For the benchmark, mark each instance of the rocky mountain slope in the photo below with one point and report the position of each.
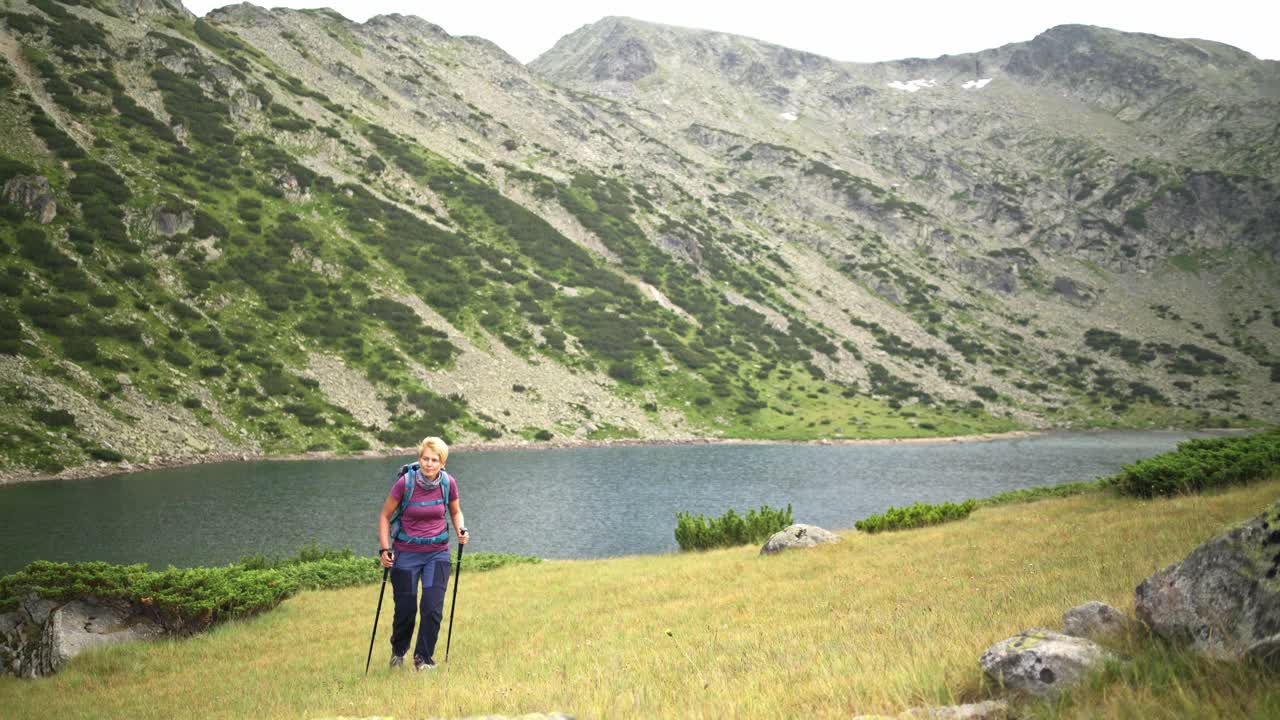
(272, 231)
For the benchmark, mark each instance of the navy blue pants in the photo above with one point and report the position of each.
(432, 570)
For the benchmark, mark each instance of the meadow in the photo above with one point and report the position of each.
(875, 624)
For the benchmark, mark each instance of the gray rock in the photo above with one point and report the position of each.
(168, 222)
(41, 636)
(529, 716)
(986, 710)
(1223, 598)
(797, 536)
(79, 626)
(32, 194)
(1093, 619)
(157, 8)
(1041, 662)
(20, 633)
(38, 608)
(1071, 290)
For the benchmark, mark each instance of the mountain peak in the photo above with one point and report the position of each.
(618, 51)
(154, 8)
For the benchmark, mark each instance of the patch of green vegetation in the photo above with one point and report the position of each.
(697, 532)
(187, 600)
(1200, 464)
(916, 515)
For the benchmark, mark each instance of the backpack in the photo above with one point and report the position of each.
(411, 473)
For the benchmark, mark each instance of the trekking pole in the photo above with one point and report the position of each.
(381, 592)
(453, 605)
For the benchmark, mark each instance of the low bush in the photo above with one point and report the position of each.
(1202, 464)
(105, 454)
(916, 515)
(696, 532)
(182, 600)
(1039, 493)
(54, 418)
(187, 600)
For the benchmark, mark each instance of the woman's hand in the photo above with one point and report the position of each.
(387, 558)
(463, 536)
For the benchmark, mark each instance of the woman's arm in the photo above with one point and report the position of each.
(455, 511)
(384, 530)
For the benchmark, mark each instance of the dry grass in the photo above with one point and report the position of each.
(875, 624)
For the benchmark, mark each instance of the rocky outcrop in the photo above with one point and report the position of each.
(986, 710)
(41, 636)
(627, 61)
(33, 195)
(1093, 619)
(1041, 662)
(798, 536)
(1072, 290)
(528, 716)
(1223, 598)
(154, 8)
(167, 222)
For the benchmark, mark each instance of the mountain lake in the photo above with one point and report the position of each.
(552, 503)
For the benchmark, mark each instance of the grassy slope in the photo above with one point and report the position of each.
(874, 624)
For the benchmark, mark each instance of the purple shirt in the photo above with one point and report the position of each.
(423, 521)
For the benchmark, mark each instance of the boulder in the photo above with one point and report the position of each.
(168, 222)
(1223, 598)
(1093, 619)
(986, 710)
(32, 194)
(40, 636)
(529, 716)
(797, 536)
(1041, 662)
(20, 633)
(79, 626)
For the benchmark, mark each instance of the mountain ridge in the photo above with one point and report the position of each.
(280, 230)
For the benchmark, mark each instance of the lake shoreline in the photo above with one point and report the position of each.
(103, 469)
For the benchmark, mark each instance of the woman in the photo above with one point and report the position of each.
(420, 552)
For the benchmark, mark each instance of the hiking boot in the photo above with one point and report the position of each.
(397, 661)
(420, 664)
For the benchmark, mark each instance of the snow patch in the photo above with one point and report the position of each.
(913, 85)
(976, 84)
(666, 101)
(789, 116)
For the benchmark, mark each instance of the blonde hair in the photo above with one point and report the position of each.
(440, 447)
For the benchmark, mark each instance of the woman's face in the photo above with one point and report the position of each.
(429, 461)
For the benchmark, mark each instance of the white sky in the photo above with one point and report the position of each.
(842, 30)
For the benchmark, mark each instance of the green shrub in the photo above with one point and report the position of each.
(54, 418)
(190, 599)
(916, 515)
(80, 348)
(187, 103)
(105, 454)
(696, 532)
(1201, 464)
(182, 600)
(1039, 493)
(10, 333)
(625, 372)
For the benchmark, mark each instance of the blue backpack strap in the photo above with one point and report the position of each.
(411, 474)
(406, 473)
